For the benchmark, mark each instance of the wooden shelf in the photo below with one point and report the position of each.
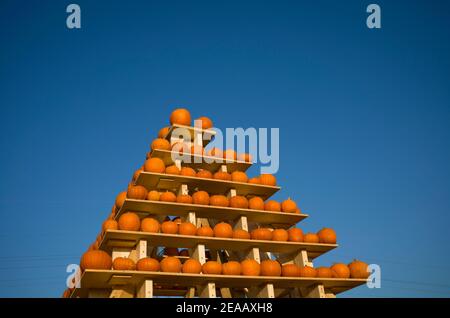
(114, 238)
(164, 181)
(192, 132)
(198, 162)
(145, 208)
(108, 278)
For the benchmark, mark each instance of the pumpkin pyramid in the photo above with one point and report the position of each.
(193, 224)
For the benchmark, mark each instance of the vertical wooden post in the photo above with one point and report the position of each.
(145, 289)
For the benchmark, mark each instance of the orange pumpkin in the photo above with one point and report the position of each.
(136, 174)
(188, 172)
(280, 235)
(311, 238)
(261, 234)
(124, 264)
(358, 269)
(215, 152)
(173, 170)
(324, 272)
(239, 176)
(169, 227)
(120, 199)
(256, 203)
(197, 150)
(246, 157)
(177, 220)
(148, 264)
(308, 271)
(223, 229)
(270, 268)
(254, 180)
(160, 143)
(137, 192)
(191, 266)
(298, 211)
(206, 122)
(327, 235)
(229, 155)
(295, 235)
(212, 268)
(110, 225)
(200, 197)
(170, 264)
(288, 206)
(205, 174)
(205, 231)
(163, 132)
(222, 175)
(171, 251)
(187, 228)
(241, 234)
(129, 222)
(340, 270)
(219, 200)
(150, 225)
(168, 197)
(250, 267)
(231, 268)
(180, 116)
(290, 270)
(273, 206)
(268, 179)
(184, 198)
(95, 259)
(153, 195)
(239, 202)
(67, 293)
(155, 165)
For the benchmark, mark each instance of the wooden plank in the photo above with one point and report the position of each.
(145, 289)
(274, 219)
(191, 132)
(162, 181)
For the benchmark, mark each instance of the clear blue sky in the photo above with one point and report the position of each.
(364, 118)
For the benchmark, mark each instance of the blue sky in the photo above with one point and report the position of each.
(363, 115)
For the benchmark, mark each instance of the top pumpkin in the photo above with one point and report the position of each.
(206, 122)
(180, 116)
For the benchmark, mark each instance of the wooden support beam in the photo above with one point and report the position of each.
(122, 291)
(207, 291)
(145, 289)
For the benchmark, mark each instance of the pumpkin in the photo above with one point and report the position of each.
(150, 225)
(222, 175)
(261, 234)
(137, 192)
(219, 200)
(295, 235)
(327, 235)
(177, 220)
(254, 180)
(324, 272)
(184, 252)
(168, 197)
(110, 225)
(273, 206)
(160, 143)
(223, 229)
(67, 293)
(231, 268)
(205, 231)
(239, 176)
(171, 251)
(206, 122)
(212, 268)
(215, 152)
(129, 222)
(95, 259)
(229, 155)
(124, 264)
(290, 270)
(280, 235)
(239, 202)
(136, 174)
(187, 228)
(268, 179)
(340, 270)
(256, 203)
(246, 157)
(358, 269)
(200, 197)
(155, 165)
(180, 116)
(120, 199)
(169, 227)
(298, 211)
(130, 185)
(148, 264)
(191, 266)
(250, 267)
(173, 169)
(163, 132)
(188, 172)
(153, 195)
(241, 234)
(308, 271)
(171, 264)
(270, 268)
(310, 238)
(197, 150)
(184, 198)
(288, 206)
(205, 174)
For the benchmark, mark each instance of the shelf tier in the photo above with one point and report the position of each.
(202, 162)
(193, 132)
(163, 181)
(115, 238)
(109, 278)
(145, 208)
